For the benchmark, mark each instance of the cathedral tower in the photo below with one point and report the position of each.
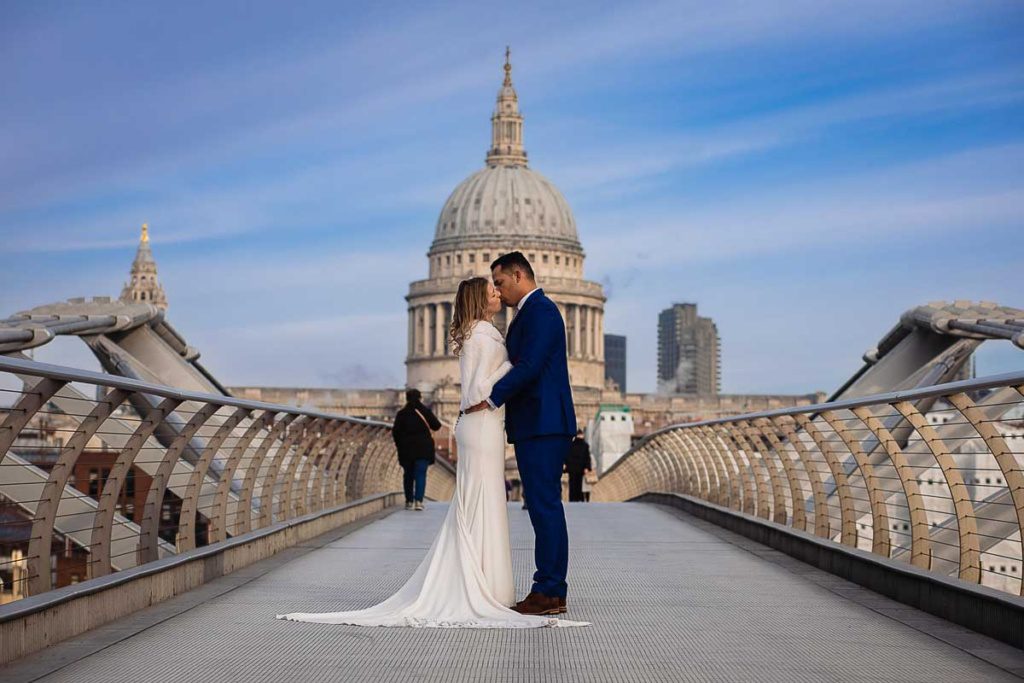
(143, 284)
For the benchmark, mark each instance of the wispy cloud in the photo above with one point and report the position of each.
(739, 154)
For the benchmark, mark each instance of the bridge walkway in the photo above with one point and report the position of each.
(671, 598)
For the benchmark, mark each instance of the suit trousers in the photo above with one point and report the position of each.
(540, 463)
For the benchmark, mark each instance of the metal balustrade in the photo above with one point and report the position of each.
(930, 476)
(101, 473)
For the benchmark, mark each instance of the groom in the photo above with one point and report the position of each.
(539, 420)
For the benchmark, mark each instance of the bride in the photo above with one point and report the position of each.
(465, 581)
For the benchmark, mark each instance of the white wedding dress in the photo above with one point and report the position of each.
(465, 581)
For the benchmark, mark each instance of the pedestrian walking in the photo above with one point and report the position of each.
(411, 432)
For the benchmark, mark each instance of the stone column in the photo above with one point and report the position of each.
(593, 332)
(562, 308)
(424, 331)
(447, 325)
(438, 329)
(412, 332)
(415, 331)
(590, 332)
(577, 343)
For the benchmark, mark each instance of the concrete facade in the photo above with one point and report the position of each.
(610, 435)
(615, 360)
(688, 353)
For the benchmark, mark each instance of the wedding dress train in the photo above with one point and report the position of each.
(465, 580)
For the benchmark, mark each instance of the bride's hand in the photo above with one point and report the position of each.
(479, 406)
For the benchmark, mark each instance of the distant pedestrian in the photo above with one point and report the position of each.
(588, 481)
(415, 445)
(577, 464)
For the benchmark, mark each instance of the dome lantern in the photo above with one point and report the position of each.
(507, 124)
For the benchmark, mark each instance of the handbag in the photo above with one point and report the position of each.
(433, 455)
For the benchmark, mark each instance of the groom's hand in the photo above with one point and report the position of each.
(482, 405)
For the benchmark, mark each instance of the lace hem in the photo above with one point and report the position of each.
(416, 622)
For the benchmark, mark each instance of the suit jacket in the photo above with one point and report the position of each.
(536, 392)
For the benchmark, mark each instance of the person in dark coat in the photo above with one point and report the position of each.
(415, 445)
(577, 464)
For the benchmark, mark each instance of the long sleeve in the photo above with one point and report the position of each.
(477, 376)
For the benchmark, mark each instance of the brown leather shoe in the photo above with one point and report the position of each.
(562, 609)
(537, 604)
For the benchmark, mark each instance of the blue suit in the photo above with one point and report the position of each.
(540, 421)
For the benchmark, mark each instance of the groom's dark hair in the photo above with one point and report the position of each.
(413, 395)
(514, 259)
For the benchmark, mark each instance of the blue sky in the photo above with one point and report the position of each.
(804, 171)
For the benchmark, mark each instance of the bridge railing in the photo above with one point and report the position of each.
(100, 473)
(931, 476)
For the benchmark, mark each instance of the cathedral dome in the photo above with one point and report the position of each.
(509, 202)
(506, 201)
(504, 206)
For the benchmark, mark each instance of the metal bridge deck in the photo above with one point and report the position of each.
(671, 598)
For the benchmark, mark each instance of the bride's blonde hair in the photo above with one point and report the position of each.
(470, 306)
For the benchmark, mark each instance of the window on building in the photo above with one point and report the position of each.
(94, 483)
(472, 258)
(544, 258)
(458, 259)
